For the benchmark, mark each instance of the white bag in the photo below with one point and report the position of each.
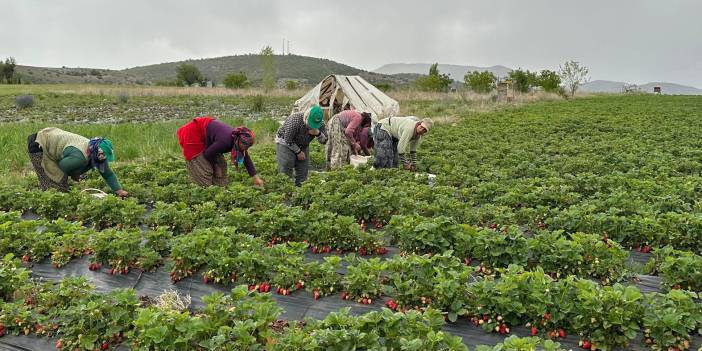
(95, 193)
(358, 160)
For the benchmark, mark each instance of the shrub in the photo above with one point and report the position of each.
(549, 80)
(236, 80)
(123, 97)
(24, 101)
(384, 87)
(257, 103)
(291, 85)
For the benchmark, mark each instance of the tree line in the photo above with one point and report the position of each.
(566, 81)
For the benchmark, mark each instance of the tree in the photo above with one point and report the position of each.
(268, 68)
(549, 80)
(435, 81)
(480, 82)
(188, 74)
(236, 80)
(573, 75)
(7, 71)
(523, 80)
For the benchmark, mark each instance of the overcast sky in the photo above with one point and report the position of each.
(624, 40)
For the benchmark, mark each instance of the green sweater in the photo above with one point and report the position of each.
(404, 130)
(74, 164)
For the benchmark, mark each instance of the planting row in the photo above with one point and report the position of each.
(602, 317)
(583, 255)
(379, 194)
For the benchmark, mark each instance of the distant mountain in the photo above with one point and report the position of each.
(607, 86)
(456, 72)
(308, 70)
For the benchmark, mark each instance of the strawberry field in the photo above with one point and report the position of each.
(554, 225)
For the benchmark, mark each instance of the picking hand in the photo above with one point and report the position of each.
(357, 149)
(301, 156)
(121, 193)
(258, 181)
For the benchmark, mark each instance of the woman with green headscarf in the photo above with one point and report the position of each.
(57, 154)
(293, 140)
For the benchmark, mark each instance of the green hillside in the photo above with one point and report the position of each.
(308, 70)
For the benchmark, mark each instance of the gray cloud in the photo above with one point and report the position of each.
(628, 40)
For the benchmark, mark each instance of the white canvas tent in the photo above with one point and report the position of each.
(353, 90)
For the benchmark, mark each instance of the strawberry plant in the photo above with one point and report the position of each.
(323, 279)
(52, 204)
(69, 245)
(110, 211)
(670, 320)
(165, 329)
(363, 282)
(241, 319)
(495, 305)
(416, 234)
(12, 277)
(607, 317)
(12, 198)
(122, 250)
(176, 217)
(500, 248)
(582, 255)
(411, 331)
(97, 321)
(678, 269)
(419, 282)
(189, 252)
(288, 270)
(514, 343)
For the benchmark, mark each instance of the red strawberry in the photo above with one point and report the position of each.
(104, 346)
(112, 271)
(503, 329)
(58, 344)
(586, 345)
(561, 333)
(125, 270)
(534, 331)
(25, 259)
(486, 317)
(316, 294)
(314, 250)
(206, 279)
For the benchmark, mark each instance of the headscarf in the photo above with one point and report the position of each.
(247, 138)
(315, 116)
(94, 146)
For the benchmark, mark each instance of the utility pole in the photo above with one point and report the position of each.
(283, 46)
